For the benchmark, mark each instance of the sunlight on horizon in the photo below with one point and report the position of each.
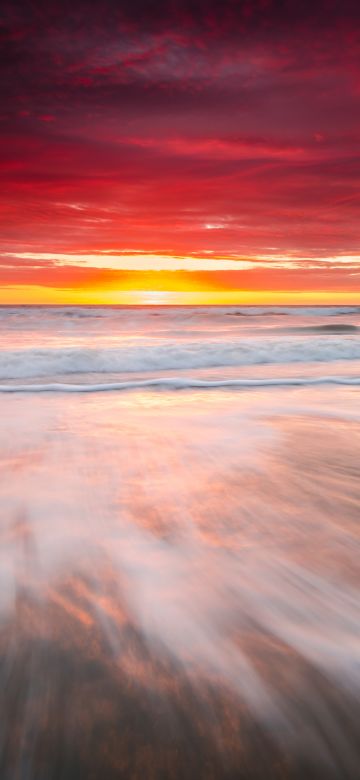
(42, 296)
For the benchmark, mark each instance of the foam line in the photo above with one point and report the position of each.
(177, 383)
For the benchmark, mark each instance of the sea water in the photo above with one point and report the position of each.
(179, 526)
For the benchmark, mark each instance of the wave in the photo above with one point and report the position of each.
(337, 327)
(178, 383)
(293, 311)
(130, 358)
(46, 313)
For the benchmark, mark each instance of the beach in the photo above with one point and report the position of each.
(179, 530)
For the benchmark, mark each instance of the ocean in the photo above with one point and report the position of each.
(179, 559)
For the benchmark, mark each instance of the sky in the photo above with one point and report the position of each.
(199, 151)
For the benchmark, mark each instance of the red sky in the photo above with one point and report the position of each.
(180, 152)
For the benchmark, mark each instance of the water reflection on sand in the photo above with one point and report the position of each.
(179, 585)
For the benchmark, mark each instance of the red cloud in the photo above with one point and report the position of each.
(150, 127)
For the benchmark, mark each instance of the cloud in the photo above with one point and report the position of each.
(131, 125)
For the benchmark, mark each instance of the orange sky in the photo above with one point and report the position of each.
(149, 278)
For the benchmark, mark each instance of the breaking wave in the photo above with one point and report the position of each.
(167, 356)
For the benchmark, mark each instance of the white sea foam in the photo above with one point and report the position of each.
(198, 540)
(167, 355)
(178, 383)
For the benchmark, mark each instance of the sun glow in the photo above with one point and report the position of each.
(135, 277)
(157, 298)
(38, 295)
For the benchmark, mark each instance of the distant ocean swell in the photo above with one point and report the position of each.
(31, 363)
(177, 312)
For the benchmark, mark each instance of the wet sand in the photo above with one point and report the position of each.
(180, 585)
